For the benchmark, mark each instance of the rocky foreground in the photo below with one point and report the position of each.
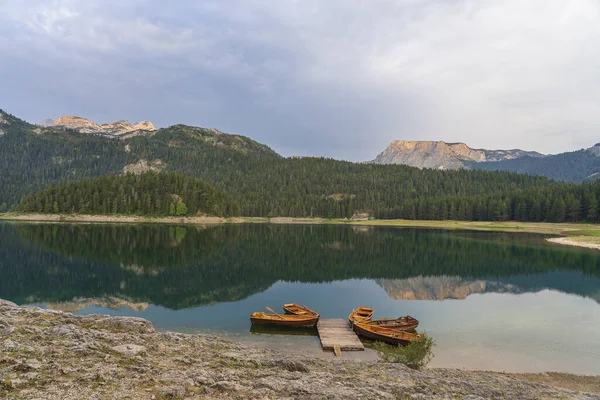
(46, 354)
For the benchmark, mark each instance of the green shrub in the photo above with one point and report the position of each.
(181, 208)
(415, 355)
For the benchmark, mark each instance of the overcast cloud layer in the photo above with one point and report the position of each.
(338, 78)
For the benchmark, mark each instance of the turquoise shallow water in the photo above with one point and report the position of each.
(492, 301)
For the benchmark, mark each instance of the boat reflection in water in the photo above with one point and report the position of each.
(211, 278)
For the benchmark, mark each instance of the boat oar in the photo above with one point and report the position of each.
(270, 309)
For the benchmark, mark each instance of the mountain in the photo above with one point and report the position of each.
(264, 184)
(10, 123)
(595, 149)
(84, 125)
(33, 157)
(575, 166)
(45, 123)
(442, 155)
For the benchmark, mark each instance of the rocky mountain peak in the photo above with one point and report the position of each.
(442, 155)
(77, 123)
(84, 125)
(144, 126)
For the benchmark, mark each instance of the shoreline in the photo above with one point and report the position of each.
(57, 355)
(572, 241)
(571, 234)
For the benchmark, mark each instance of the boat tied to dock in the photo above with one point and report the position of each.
(290, 320)
(361, 313)
(381, 334)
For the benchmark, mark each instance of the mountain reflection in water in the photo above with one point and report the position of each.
(179, 267)
(507, 298)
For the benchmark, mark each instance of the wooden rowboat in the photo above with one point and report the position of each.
(261, 318)
(362, 313)
(405, 323)
(391, 336)
(297, 309)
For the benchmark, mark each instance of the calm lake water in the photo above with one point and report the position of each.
(496, 301)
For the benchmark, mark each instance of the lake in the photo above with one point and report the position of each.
(495, 301)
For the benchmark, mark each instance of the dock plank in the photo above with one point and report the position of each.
(337, 333)
(337, 350)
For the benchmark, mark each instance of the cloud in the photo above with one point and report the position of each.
(338, 78)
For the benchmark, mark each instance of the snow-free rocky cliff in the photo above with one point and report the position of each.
(442, 155)
(84, 125)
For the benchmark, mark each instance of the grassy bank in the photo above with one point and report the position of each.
(576, 234)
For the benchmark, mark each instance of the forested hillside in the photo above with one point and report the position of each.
(33, 158)
(575, 166)
(149, 193)
(328, 188)
(261, 183)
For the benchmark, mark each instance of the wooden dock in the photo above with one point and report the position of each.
(336, 334)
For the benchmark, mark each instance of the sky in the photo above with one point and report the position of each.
(334, 78)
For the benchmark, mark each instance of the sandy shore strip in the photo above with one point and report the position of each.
(114, 219)
(159, 220)
(572, 241)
